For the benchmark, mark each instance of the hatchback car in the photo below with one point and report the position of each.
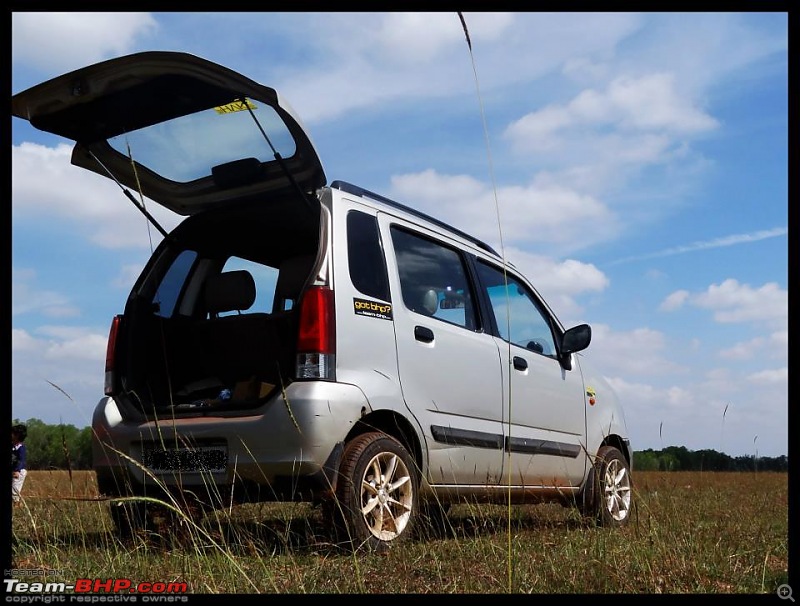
(294, 340)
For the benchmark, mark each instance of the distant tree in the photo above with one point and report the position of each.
(667, 461)
(645, 460)
(57, 446)
(711, 460)
(676, 458)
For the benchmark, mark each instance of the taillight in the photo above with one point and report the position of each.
(316, 335)
(108, 387)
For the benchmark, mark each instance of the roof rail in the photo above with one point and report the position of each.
(360, 191)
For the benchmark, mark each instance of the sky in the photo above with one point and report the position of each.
(634, 166)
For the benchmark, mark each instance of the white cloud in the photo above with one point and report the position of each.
(543, 214)
(724, 241)
(27, 298)
(127, 276)
(604, 137)
(746, 350)
(780, 339)
(21, 340)
(779, 376)
(582, 69)
(774, 346)
(734, 302)
(674, 301)
(46, 187)
(418, 37)
(707, 47)
(59, 42)
(693, 414)
(381, 57)
(638, 352)
(559, 282)
(86, 347)
(645, 104)
(68, 357)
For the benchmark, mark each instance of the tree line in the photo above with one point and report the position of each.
(57, 446)
(67, 447)
(679, 458)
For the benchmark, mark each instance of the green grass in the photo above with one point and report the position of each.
(691, 532)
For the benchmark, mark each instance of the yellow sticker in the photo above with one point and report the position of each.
(235, 106)
(590, 392)
(373, 309)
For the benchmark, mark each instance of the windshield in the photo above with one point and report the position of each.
(185, 148)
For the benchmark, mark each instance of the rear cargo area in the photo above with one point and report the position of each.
(213, 320)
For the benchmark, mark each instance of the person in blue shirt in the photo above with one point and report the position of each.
(18, 461)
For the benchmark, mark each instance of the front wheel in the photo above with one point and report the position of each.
(376, 494)
(611, 496)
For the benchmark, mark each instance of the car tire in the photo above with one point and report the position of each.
(130, 518)
(376, 493)
(145, 520)
(609, 498)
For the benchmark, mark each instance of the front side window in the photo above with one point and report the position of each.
(519, 318)
(433, 279)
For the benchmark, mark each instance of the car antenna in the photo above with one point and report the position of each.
(505, 273)
(277, 155)
(130, 197)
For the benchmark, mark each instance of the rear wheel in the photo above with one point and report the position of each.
(131, 518)
(376, 494)
(151, 520)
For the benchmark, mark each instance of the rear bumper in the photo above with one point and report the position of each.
(288, 449)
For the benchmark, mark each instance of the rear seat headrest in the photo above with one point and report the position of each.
(230, 291)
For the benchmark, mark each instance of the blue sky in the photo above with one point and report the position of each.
(637, 163)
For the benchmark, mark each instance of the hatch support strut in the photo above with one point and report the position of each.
(130, 197)
(278, 158)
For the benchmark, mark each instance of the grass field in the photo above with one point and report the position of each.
(691, 532)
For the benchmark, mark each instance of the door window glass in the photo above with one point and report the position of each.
(519, 318)
(365, 256)
(433, 280)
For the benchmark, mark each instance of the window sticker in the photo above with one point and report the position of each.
(373, 309)
(235, 106)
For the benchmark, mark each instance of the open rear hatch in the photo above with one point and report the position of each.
(185, 132)
(211, 324)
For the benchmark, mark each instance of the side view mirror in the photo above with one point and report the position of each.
(576, 339)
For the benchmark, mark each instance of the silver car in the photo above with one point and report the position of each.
(298, 340)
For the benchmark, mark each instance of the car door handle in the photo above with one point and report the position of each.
(520, 363)
(423, 334)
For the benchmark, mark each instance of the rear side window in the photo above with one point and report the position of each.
(265, 278)
(170, 288)
(433, 279)
(365, 256)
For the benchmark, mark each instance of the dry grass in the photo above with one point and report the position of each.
(691, 533)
